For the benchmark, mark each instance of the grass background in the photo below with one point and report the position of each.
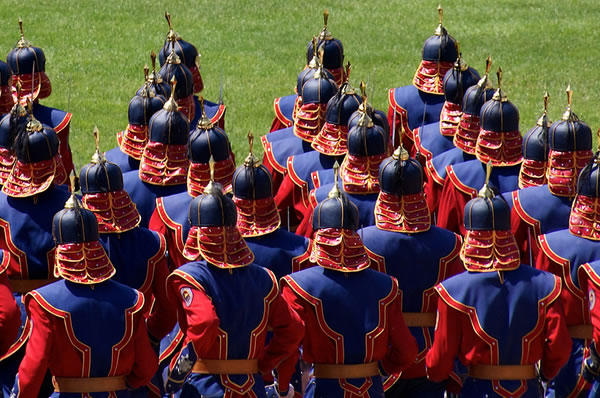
(96, 51)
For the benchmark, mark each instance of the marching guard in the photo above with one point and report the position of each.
(88, 330)
(225, 306)
(500, 317)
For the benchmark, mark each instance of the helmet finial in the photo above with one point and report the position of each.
(172, 35)
(569, 115)
(204, 122)
(335, 191)
(33, 124)
(543, 120)
(440, 29)
(325, 35)
(22, 43)
(72, 202)
(499, 94)
(171, 104)
(314, 62)
(211, 186)
(251, 160)
(486, 192)
(97, 157)
(173, 58)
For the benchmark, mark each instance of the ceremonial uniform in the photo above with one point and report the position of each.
(421, 103)
(164, 164)
(170, 217)
(332, 59)
(368, 145)
(259, 222)
(403, 244)
(225, 305)
(500, 317)
(28, 200)
(570, 145)
(10, 317)
(352, 333)
(436, 138)
(464, 140)
(500, 142)
(28, 65)
(563, 253)
(87, 329)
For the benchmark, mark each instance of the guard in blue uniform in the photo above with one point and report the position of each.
(225, 306)
(330, 145)
(405, 245)
(149, 99)
(88, 330)
(464, 140)
(29, 198)
(28, 65)
(316, 92)
(169, 218)
(570, 143)
(563, 252)
(333, 62)
(368, 146)
(353, 334)
(190, 58)
(435, 138)
(421, 103)
(164, 164)
(500, 318)
(500, 142)
(258, 220)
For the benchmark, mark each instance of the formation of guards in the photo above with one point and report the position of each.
(429, 252)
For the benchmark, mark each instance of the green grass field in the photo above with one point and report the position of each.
(96, 51)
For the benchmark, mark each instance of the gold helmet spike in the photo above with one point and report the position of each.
(98, 156)
(204, 122)
(314, 62)
(485, 191)
(597, 159)
(485, 81)
(171, 104)
(154, 77)
(72, 202)
(211, 187)
(22, 43)
(325, 34)
(251, 161)
(440, 28)
(18, 108)
(171, 35)
(173, 58)
(499, 94)
(569, 115)
(335, 191)
(146, 72)
(543, 120)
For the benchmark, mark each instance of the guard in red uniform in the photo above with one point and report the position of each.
(88, 330)
(333, 61)
(258, 220)
(500, 318)
(225, 306)
(436, 138)
(30, 196)
(464, 140)
(421, 103)
(170, 216)
(353, 334)
(368, 146)
(149, 99)
(164, 164)
(330, 146)
(405, 245)
(563, 253)
(190, 59)
(570, 142)
(28, 65)
(500, 142)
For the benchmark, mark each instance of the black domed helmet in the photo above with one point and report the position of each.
(333, 52)
(499, 139)
(535, 151)
(74, 224)
(336, 211)
(367, 138)
(212, 209)
(28, 64)
(487, 213)
(401, 175)
(439, 55)
(570, 141)
(173, 68)
(187, 52)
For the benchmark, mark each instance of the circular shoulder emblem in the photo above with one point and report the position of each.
(592, 298)
(187, 295)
